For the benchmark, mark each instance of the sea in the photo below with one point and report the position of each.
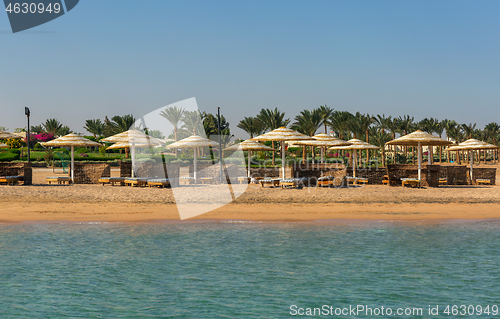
(236, 269)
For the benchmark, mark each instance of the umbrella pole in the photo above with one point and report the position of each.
(283, 158)
(194, 173)
(471, 165)
(419, 161)
(322, 155)
(132, 154)
(249, 155)
(72, 164)
(354, 164)
(429, 155)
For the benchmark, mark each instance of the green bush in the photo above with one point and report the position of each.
(81, 150)
(8, 157)
(15, 151)
(38, 147)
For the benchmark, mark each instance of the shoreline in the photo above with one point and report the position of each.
(281, 213)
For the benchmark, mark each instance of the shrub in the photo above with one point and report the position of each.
(38, 146)
(15, 143)
(15, 151)
(8, 157)
(82, 150)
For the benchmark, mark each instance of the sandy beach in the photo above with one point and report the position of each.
(41, 202)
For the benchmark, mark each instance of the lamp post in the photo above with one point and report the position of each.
(27, 112)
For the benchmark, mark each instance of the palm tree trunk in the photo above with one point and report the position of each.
(175, 136)
(304, 153)
(274, 153)
(383, 157)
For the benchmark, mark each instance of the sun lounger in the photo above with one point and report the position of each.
(58, 179)
(293, 182)
(186, 179)
(209, 180)
(159, 182)
(269, 182)
(356, 180)
(385, 180)
(325, 181)
(443, 181)
(112, 180)
(244, 180)
(410, 181)
(483, 182)
(136, 181)
(11, 180)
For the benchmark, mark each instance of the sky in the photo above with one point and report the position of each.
(104, 58)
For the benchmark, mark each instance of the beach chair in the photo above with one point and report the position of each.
(356, 180)
(136, 181)
(244, 180)
(58, 179)
(413, 182)
(483, 181)
(268, 182)
(385, 180)
(208, 180)
(186, 180)
(293, 183)
(112, 180)
(11, 180)
(325, 181)
(159, 182)
(443, 181)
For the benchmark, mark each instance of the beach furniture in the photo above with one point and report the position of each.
(385, 180)
(10, 180)
(410, 181)
(112, 180)
(159, 182)
(443, 181)
(483, 182)
(209, 180)
(58, 179)
(356, 180)
(136, 181)
(325, 181)
(244, 180)
(293, 182)
(186, 179)
(268, 182)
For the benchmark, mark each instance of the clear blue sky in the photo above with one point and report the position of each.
(422, 58)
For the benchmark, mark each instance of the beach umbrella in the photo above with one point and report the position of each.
(419, 139)
(132, 138)
(194, 142)
(321, 140)
(71, 140)
(7, 135)
(249, 145)
(471, 145)
(282, 134)
(355, 145)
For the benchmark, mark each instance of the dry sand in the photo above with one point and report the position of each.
(107, 203)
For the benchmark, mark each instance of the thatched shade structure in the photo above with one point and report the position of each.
(249, 145)
(7, 135)
(194, 141)
(71, 140)
(321, 140)
(419, 138)
(471, 145)
(282, 134)
(2, 145)
(355, 145)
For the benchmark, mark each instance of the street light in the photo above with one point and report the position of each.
(27, 113)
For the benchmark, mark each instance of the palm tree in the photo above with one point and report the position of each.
(364, 122)
(308, 122)
(325, 112)
(193, 121)
(52, 126)
(64, 130)
(251, 125)
(339, 122)
(118, 124)
(271, 120)
(406, 124)
(469, 129)
(394, 127)
(174, 115)
(379, 138)
(493, 130)
(94, 127)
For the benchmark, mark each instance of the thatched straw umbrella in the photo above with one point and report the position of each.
(355, 145)
(249, 145)
(321, 140)
(194, 142)
(7, 135)
(2, 145)
(471, 145)
(132, 138)
(419, 138)
(282, 134)
(71, 140)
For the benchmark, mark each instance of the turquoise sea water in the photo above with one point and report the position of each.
(245, 270)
